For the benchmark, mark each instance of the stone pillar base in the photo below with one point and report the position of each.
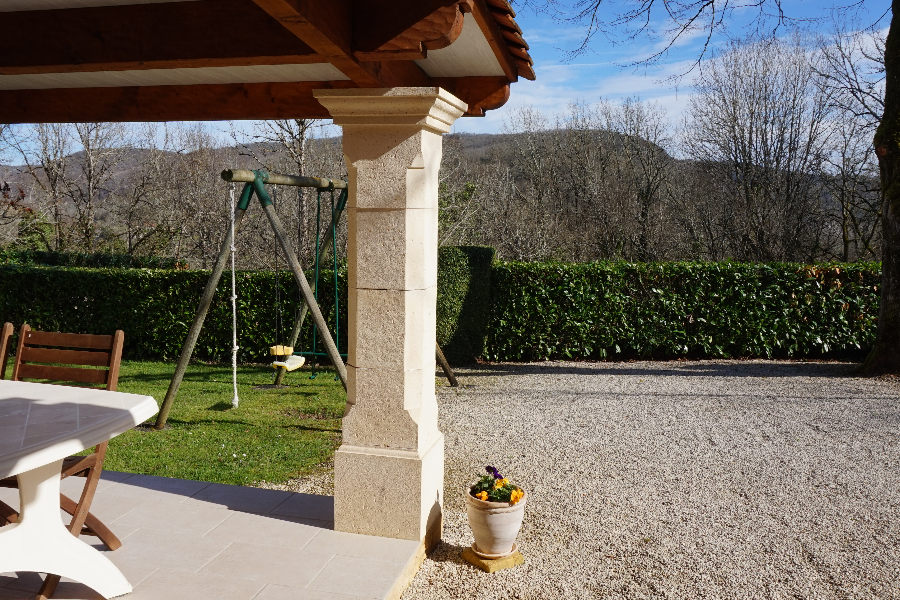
(390, 493)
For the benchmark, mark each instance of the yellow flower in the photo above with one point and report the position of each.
(499, 483)
(482, 495)
(516, 496)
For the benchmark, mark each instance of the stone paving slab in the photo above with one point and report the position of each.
(192, 539)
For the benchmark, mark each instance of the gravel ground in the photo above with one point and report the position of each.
(724, 479)
(712, 479)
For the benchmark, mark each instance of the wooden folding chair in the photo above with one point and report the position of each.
(5, 337)
(41, 355)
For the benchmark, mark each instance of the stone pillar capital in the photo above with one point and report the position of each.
(430, 108)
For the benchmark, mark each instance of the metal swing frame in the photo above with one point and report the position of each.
(324, 243)
(254, 183)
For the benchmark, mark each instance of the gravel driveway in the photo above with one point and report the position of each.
(713, 479)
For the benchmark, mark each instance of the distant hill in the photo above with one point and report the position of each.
(478, 147)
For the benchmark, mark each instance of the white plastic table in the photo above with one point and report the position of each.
(40, 425)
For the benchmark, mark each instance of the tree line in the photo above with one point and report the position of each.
(155, 188)
(772, 160)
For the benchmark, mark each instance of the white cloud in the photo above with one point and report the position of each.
(557, 86)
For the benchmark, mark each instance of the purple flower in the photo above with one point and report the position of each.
(494, 472)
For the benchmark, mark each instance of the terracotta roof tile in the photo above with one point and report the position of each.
(503, 14)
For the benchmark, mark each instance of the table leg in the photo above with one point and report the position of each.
(40, 542)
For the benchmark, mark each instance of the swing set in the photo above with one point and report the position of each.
(325, 242)
(254, 183)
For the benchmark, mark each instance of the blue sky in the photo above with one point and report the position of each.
(606, 70)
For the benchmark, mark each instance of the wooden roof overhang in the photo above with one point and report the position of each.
(152, 60)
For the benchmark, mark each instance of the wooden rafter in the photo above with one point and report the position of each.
(117, 38)
(374, 43)
(437, 30)
(167, 103)
(481, 93)
(327, 29)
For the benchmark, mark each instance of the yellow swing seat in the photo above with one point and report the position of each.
(291, 363)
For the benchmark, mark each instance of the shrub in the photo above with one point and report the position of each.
(156, 307)
(82, 259)
(609, 310)
(464, 301)
(500, 311)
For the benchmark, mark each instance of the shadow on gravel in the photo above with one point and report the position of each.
(688, 369)
(444, 552)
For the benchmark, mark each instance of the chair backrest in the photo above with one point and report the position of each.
(51, 356)
(5, 336)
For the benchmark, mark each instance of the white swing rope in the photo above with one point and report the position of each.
(234, 345)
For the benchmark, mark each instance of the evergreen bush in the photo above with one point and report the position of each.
(84, 259)
(494, 310)
(546, 311)
(463, 301)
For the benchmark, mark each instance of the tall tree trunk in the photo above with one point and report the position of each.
(885, 355)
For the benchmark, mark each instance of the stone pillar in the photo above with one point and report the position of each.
(389, 470)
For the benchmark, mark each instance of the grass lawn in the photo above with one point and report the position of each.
(273, 435)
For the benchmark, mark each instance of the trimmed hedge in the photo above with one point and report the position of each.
(82, 259)
(499, 311)
(155, 307)
(617, 310)
(464, 301)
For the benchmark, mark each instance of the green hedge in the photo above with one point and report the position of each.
(83, 259)
(155, 307)
(500, 311)
(464, 301)
(616, 310)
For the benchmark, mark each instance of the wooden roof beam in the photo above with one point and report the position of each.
(167, 103)
(326, 28)
(120, 38)
(435, 31)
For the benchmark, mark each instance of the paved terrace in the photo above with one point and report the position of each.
(185, 539)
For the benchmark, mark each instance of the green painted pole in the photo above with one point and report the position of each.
(300, 278)
(323, 251)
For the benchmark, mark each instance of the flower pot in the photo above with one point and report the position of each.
(495, 525)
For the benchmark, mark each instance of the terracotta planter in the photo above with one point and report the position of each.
(495, 525)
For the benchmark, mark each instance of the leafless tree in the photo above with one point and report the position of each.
(284, 146)
(679, 19)
(203, 199)
(757, 116)
(45, 152)
(850, 72)
(102, 147)
(148, 215)
(644, 166)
